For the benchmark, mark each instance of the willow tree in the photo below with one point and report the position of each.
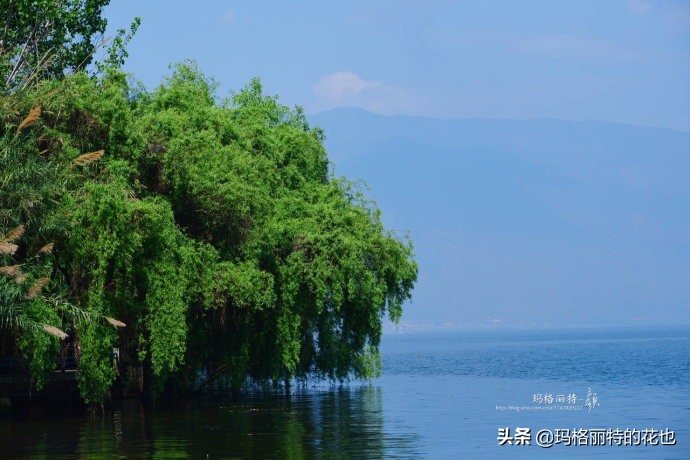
(212, 229)
(304, 269)
(297, 268)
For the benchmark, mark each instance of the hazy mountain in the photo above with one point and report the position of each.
(537, 222)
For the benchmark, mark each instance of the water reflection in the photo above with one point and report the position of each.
(308, 423)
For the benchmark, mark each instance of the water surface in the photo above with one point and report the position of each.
(442, 395)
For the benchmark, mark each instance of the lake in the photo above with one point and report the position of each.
(441, 395)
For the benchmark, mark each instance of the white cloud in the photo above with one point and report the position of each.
(340, 86)
(676, 16)
(227, 18)
(673, 15)
(640, 7)
(347, 89)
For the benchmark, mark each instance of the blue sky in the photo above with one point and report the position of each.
(620, 60)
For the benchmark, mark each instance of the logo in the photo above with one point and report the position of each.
(592, 400)
(550, 401)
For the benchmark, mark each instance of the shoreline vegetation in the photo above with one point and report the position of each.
(153, 237)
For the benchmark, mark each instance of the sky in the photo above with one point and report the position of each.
(624, 61)
(536, 223)
(619, 61)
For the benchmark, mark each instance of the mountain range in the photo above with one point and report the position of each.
(528, 223)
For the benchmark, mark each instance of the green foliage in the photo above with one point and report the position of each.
(44, 38)
(38, 347)
(137, 265)
(117, 50)
(211, 229)
(96, 372)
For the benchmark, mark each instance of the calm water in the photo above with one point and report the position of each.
(442, 395)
